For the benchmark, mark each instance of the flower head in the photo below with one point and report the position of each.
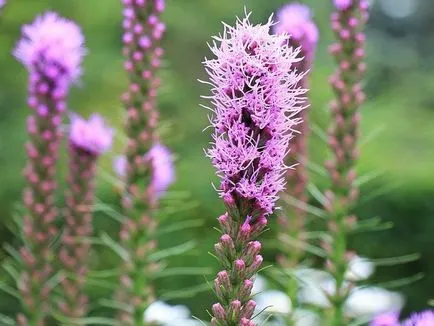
(295, 19)
(425, 318)
(2, 3)
(254, 98)
(91, 135)
(343, 4)
(52, 45)
(163, 171)
(386, 319)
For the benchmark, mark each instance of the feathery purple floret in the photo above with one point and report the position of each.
(295, 19)
(254, 98)
(425, 318)
(163, 170)
(2, 3)
(343, 4)
(387, 319)
(52, 45)
(92, 136)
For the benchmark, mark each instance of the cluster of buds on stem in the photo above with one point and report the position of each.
(52, 50)
(87, 141)
(296, 21)
(143, 31)
(255, 96)
(347, 23)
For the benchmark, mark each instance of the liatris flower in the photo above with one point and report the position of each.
(51, 49)
(163, 170)
(343, 4)
(296, 21)
(254, 95)
(425, 318)
(387, 319)
(347, 24)
(87, 141)
(143, 31)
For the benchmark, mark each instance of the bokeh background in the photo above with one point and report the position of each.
(398, 128)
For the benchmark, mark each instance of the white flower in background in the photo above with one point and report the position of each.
(315, 286)
(371, 301)
(166, 315)
(304, 317)
(359, 268)
(274, 303)
(260, 284)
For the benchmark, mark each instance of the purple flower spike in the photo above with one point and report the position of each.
(295, 20)
(52, 45)
(343, 4)
(425, 318)
(348, 51)
(387, 319)
(255, 94)
(87, 140)
(51, 48)
(163, 171)
(91, 135)
(143, 32)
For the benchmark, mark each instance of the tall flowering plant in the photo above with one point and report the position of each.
(347, 23)
(143, 31)
(295, 20)
(87, 141)
(255, 94)
(51, 48)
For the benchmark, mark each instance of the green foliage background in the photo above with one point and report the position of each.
(399, 112)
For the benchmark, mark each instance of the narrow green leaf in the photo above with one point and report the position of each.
(104, 273)
(109, 211)
(180, 226)
(286, 239)
(115, 305)
(112, 244)
(11, 271)
(396, 260)
(199, 320)
(371, 135)
(176, 271)
(15, 254)
(173, 251)
(316, 193)
(402, 282)
(304, 206)
(5, 320)
(363, 179)
(317, 130)
(318, 169)
(9, 290)
(186, 292)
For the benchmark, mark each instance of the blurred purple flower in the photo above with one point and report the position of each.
(387, 319)
(295, 19)
(2, 3)
(254, 97)
(343, 4)
(120, 165)
(425, 318)
(52, 45)
(92, 135)
(163, 170)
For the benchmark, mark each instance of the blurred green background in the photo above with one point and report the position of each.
(398, 124)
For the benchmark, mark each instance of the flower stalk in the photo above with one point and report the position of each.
(87, 141)
(255, 94)
(143, 31)
(347, 24)
(51, 49)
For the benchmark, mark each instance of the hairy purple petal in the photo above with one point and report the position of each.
(91, 135)
(254, 98)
